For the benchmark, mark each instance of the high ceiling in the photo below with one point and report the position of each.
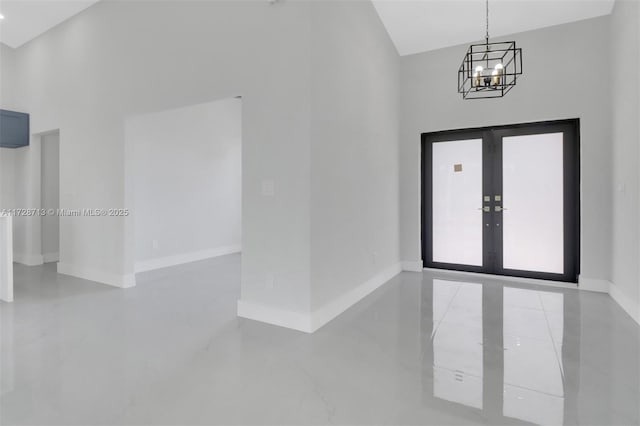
(26, 19)
(422, 25)
(414, 25)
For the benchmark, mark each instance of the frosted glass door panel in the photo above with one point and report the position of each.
(532, 194)
(457, 195)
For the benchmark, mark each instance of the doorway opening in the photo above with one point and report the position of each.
(50, 196)
(184, 168)
(503, 200)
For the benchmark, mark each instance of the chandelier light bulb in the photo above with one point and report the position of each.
(496, 76)
(477, 79)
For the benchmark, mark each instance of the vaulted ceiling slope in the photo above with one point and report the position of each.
(422, 25)
(25, 20)
(414, 25)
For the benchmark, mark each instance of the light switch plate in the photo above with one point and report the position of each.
(268, 188)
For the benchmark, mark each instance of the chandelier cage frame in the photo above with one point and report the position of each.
(488, 55)
(489, 70)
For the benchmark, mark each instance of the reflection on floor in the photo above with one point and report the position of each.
(530, 348)
(457, 342)
(424, 349)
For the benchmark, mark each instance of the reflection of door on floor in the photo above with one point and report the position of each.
(503, 200)
(50, 196)
(499, 352)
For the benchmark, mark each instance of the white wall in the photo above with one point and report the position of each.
(20, 180)
(7, 101)
(354, 155)
(625, 116)
(9, 79)
(188, 187)
(318, 122)
(561, 80)
(50, 195)
(170, 54)
(7, 178)
(27, 242)
(85, 78)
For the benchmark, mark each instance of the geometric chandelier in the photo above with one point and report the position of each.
(489, 70)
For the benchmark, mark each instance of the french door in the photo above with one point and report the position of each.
(503, 200)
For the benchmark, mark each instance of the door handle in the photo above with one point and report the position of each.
(499, 209)
(486, 209)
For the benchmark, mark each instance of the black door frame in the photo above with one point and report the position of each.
(492, 184)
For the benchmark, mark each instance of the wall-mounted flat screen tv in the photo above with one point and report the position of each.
(14, 129)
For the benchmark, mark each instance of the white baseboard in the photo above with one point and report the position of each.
(412, 265)
(628, 305)
(288, 319)
(310, 322)
(50, 257)
(179, 259)
(103, 277)
(28, 259)
(593, 284)
(330, 310)
(604, 286)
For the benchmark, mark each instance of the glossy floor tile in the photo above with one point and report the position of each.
(423, 349)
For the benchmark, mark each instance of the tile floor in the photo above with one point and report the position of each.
(424, 349)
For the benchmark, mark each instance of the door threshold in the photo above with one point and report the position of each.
(518, 280)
